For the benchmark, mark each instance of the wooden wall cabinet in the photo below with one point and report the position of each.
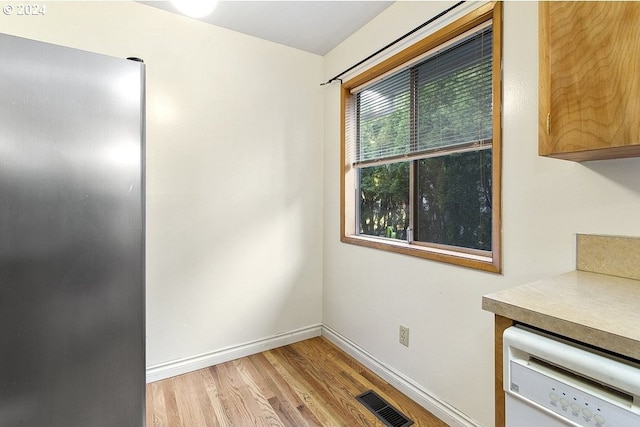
(589, 99)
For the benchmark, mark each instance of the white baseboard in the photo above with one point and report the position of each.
(188, 364)
(420, 395)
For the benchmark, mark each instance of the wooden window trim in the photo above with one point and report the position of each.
(485, 261)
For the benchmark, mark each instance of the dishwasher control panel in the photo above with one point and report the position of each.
(573, 384)
(580, 404)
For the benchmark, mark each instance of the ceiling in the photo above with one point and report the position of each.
(312, 26)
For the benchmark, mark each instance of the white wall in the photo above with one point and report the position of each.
(234, 173)
(369, 293)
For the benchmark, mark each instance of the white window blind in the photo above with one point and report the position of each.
(440, 105)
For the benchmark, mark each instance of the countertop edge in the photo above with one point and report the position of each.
(622, 345)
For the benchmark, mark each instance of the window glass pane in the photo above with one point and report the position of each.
(384, 200)
(444, 101)
(383, 118)
(454, 95)
(454, 200)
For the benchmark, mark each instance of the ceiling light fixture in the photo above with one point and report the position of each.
(195, 8)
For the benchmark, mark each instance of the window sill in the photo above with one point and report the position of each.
(463, 259)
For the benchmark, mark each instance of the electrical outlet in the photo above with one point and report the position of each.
(404, 335)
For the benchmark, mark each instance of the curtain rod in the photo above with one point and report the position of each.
(438, 16)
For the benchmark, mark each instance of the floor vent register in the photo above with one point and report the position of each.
(389, 415)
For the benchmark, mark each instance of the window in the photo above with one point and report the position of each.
(421, 147)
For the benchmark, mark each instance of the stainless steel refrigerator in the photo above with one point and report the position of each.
(71, 237)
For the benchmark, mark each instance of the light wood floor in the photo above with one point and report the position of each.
(310, 383)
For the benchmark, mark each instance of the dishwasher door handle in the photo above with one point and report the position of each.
(525, 344)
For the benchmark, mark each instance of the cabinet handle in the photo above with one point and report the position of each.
(548, 123)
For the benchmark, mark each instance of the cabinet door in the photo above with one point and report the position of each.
(589, 80)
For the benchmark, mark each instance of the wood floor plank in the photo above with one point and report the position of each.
(286, 403)
(215, 399)
(171, 406)
(190, 414)
(282, 413)
(201, 396)
(156, 410)
(275, 381)
(340, 376)
(309, 416)
(348, 372)
(306, 392)
(332, 392)
(311, 383)
(236, 408)
(252, 393)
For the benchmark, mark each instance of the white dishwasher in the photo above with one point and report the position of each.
(552, 382)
